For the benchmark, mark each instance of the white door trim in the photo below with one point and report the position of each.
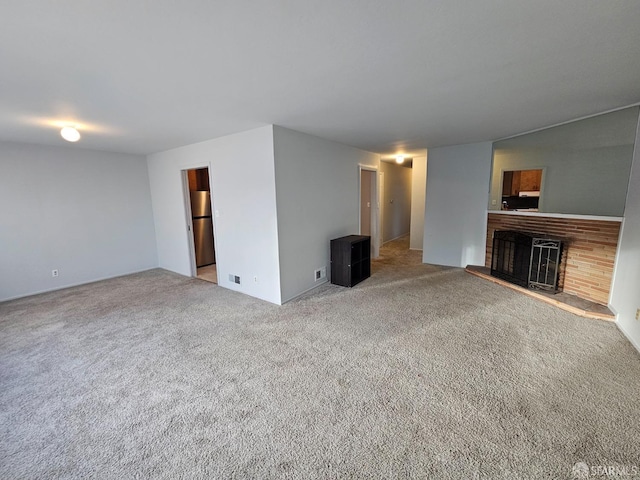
(375, 210)
(188, 220)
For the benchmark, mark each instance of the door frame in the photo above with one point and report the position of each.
(189, 218)
(375, 210)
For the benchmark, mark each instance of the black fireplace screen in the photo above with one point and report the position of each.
(526, 260)
(545, 263)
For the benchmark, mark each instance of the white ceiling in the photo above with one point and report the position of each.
(147, 75)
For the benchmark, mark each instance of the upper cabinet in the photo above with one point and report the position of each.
(514, 182)
(529, 180)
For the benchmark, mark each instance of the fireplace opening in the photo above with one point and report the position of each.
(525, 259)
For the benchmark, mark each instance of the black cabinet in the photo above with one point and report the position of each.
(350, 260)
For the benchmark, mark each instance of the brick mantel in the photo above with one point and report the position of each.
(589, 250)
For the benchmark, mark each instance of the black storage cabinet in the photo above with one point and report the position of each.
(350, 260)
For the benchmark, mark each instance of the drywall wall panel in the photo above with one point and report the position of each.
(396, 201)
(455, 222)
(84, 213)
(586, 182)
(418, 191)
(317, 198)
(241, 167)
(625, 290)
(586, 163)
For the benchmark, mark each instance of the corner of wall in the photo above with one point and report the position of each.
(455, 204)
(624, 297)
(317, 200)
(54, 187)
(243, 191)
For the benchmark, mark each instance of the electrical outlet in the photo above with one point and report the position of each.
(320, 273)
(255, 279)
(234, 278)
(638, 314)
(54, 273)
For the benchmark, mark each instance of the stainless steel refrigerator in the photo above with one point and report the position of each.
(202, 228)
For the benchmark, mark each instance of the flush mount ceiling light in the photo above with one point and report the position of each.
(399, 158)
(70, 134)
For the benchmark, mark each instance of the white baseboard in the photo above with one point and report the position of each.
(77, 284)
(306, 291)
(396, 238)
(629, 337)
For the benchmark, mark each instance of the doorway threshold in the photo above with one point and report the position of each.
(565, 301)
(208, 273)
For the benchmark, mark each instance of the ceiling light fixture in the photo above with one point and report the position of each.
(70, 134)
(399, 158)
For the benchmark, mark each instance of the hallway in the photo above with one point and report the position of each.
(396, 253)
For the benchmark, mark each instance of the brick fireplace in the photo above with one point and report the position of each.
(588, 254)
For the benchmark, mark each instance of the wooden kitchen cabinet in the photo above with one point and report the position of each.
(518, 181)
(530, 180)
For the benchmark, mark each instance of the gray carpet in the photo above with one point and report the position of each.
(418, 372)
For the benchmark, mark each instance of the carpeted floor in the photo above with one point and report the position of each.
(418, 372)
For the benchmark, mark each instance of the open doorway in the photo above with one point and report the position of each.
(203, 253)
(369, 208)
(396, 200)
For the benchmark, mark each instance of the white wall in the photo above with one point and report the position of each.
(85, 213)
(396, 201)
(625, 292)
(243, 193)
(586, 182)
(418, 191)
(317, 197)
(455, 223)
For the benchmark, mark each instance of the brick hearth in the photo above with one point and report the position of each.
(589, 250)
